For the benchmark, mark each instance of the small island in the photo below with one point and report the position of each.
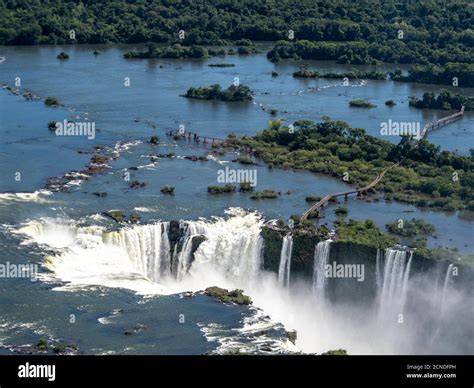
(214, 92)
(361, 104)
(305, 73)
(175, 51)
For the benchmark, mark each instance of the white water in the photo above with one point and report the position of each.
(285, 261)
(393, 292)
(230, 255)
(447, 278)
(321, 258)
(147, 247)
(138, 258)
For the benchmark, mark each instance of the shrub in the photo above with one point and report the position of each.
(168, 190)
(154, 140)
(52, 101)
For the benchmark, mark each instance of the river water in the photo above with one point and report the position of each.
(92, 89)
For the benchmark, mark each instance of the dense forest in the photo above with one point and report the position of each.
(445, 100)
(438, 31)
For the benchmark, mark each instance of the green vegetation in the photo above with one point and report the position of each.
(236, 296)
(361, 104)
(265, 194)
(168, 190)
(244, 160)
(363, 232)
(441, 30)
(445, 100)
(119, 217)
(227, 188)
(442, 75)
(52, 101)
(154, 140)
(116, 215)
(134, 218)
(246, 50)
(413, 227)
(215, 92)
(305, 73)
(341, 210)
(424, 178)
(42, 345)
(373, 49)
(221, 65)
(435, 33)
(246, 187)
(313, 198)
(175, 51)
(62, 55)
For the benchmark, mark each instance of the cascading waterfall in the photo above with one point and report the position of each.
(447, 279)
(149, 258)
(147, 246)
(378, 270)
(393, 292)
(285, 261)
(321, 258)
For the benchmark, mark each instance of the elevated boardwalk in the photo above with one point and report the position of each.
(370, 187)
(360, 191)
(441, 122)
(196, 137)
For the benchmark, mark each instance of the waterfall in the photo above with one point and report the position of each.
(321, 258)
(378, 271)
(147, 247)
(393, 292)
(182, 259)
(285, 261)
(148, 259)
(232, 246)
(447, 279)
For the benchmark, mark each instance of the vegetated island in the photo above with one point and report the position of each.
(445, 100)
(361, 104)
(425, 177)
(357, 74)
(221, 65)
(176, 51)
(214, 92)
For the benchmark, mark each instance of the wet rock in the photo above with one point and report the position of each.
(135, 330)
(136, 185)
(236, 296)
